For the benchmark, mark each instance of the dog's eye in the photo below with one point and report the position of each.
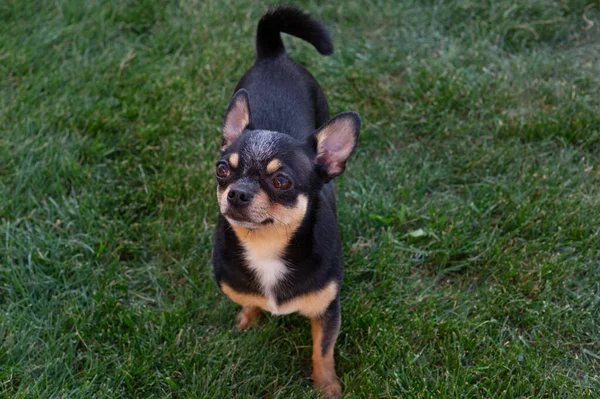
(281, 182)
(222, 170)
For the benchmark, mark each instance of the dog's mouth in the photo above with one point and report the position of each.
(237, 219)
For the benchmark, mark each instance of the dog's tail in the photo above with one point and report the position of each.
(294, 22)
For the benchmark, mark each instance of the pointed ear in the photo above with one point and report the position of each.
(237, 118)
(335, 142)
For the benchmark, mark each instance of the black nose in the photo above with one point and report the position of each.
(239, 197)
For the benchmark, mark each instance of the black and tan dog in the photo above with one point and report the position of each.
(277, 246)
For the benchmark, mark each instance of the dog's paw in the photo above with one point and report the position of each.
(328, 388)
(247, 317)
(243, 322)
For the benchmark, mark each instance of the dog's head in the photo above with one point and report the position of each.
(267, 177)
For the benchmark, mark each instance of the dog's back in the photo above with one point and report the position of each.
(284, 96)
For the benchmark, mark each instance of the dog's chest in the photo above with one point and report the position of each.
(269, 270)
(262, 250)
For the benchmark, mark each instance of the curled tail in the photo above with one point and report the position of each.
(294, 22)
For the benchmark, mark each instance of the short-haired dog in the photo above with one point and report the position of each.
(277, 246)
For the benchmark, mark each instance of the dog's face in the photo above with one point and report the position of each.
(267, 177)
(263, 178)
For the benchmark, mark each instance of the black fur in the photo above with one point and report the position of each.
(284, 97)
(330, 322)
(294, 22)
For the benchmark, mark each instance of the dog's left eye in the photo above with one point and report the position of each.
(281, 182)
(222, 170)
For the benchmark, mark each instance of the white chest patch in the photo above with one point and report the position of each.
(269, 270)
(264, 247)
(269, 274)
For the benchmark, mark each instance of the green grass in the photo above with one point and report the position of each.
(470, 213)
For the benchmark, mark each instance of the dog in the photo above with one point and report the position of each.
(277, 246)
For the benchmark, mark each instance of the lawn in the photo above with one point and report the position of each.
(470, 213)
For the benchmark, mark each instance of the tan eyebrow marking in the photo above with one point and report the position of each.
(273, 166)
(234, 160)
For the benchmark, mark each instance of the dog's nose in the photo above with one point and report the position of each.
(239, 197)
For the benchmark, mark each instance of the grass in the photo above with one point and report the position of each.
(470, 212)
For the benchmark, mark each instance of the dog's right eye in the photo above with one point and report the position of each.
(222, 170)
(281, 182)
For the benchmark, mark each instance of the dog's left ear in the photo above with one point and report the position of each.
(335, 141)
(237, 118)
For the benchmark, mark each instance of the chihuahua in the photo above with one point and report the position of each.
(277, 246)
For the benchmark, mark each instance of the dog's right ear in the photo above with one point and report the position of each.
(237, 118)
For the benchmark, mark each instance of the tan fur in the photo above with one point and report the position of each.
(271, 238)
(291, 217)
(324, 376)
(222, 197)
(243, 299)
(247, 317)
(266, 240)
(312, 304)
(264, 245)
(286, 220)
(273, 166)
(234, 160)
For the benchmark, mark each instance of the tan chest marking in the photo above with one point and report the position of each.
(262, 250)
(263, 247)
(244, 299)
(311, 305)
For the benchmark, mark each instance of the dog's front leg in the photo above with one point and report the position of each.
(325, 330)
(247, 316)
